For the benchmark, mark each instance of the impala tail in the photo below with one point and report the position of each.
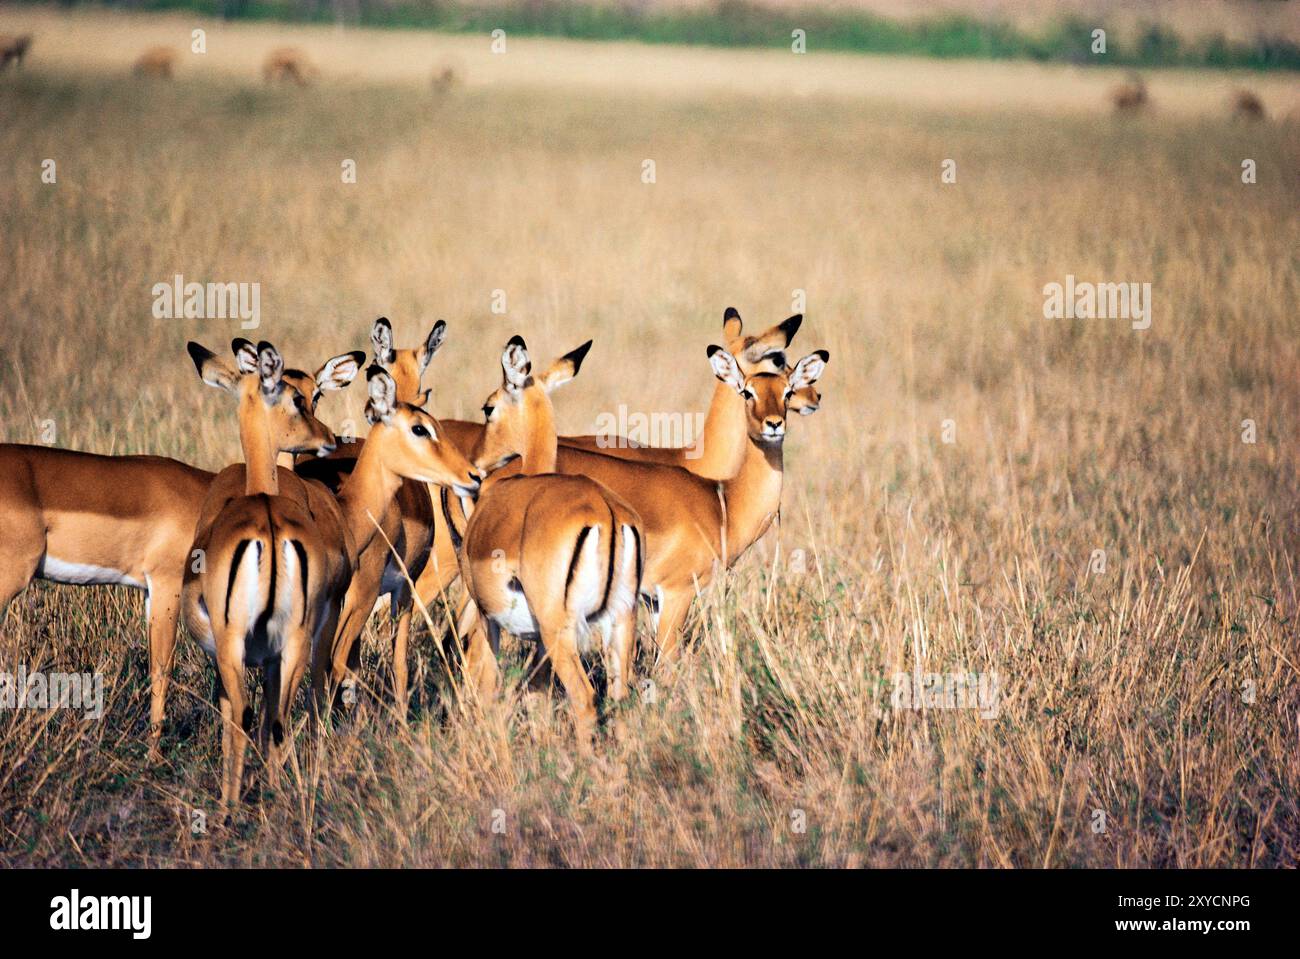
(263, 583)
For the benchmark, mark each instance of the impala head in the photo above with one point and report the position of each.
(410, 441)
(337, 373)
(768, 396)
(269, 405)
(519, 416)
(767, 353)
(406, 366)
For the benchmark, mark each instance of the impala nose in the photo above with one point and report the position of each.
(773, 427)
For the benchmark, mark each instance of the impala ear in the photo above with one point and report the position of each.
(245, 355)
(515, 364)
(212, 369)
(565, 368)
(726, 368)
(809, 370)
(432, 342)
(339, 372)
(381, 337)
(383, 396)
(270, 369)
(731, 324)
(771, 344)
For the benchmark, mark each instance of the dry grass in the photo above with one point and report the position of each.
(1121, 690)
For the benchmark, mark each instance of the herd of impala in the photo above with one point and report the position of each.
(279, 561)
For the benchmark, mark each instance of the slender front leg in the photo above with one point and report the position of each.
(401, 640)
(672, 613)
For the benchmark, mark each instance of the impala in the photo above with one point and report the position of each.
(273, 572)
(397, 544)
(724, 440)
(279, 564)
(691, 525)
(85, 519)
(545, 555)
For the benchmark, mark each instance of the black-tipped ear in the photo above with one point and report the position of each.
(824, 354)
(239, 343)
(199, 353)
(517, 340)
(731, 323)
(713, 348)
(373, 370)
(790, 327)
(359, 356)
(577, 356)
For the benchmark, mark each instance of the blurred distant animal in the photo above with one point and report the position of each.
(1246, 105)
(445, 79)
(288, 64)
(1130, 96)
(13, 48)
(158, 62)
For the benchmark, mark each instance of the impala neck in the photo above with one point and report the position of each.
(724, 439)
(753, 497)
(538, 454)
(260, 475)
(371, 486)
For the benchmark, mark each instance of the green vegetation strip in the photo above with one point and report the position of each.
(735, 23)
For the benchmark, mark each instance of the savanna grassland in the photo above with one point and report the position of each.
(1155, 681)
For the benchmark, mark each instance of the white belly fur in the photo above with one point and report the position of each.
(83, 574)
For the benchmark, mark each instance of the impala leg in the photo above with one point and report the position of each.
(18, 562)
(480, 661)
(562, 648)
(293, 665)
(236, 720)
(620, 652)
(401, 678)
(347, 645)
(164, 607)
(672, 613)
(270, 697)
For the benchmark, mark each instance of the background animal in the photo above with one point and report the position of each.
(14, 49)
(1247, 105)
(288, 65)
(1130, 96)
(159, 62)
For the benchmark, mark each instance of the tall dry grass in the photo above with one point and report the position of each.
(1122, 691)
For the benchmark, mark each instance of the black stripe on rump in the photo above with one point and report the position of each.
(573, 562)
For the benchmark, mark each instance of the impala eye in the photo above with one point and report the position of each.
(419, 430)
(300, 404)
(487, 411)
(747, 393)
